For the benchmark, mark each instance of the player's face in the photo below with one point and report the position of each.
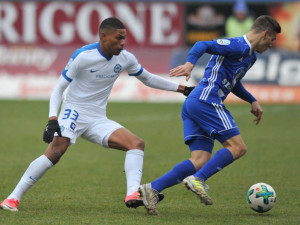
(112, 42)
(266, 41)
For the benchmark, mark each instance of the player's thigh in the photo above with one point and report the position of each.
(100, 130)
(73, 122)
(124, 139)
(194, 134)
(214, 119)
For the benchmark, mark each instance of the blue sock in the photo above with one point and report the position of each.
(222, 158)
(174, 176)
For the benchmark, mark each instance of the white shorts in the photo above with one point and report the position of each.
(92, 126)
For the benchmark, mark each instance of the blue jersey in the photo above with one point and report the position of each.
(231, 59)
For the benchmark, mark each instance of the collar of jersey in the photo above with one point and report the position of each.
(247, 41)
(101, 53)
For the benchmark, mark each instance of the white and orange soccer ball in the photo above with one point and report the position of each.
(261, 197)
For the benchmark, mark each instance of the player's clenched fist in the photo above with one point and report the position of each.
(50, 130)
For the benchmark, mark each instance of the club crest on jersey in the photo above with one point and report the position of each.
(223, 42)
(117, 68)
(69, 64)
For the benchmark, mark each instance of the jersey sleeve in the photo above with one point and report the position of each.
(240, 91)
(71, 69)
(56, 95)
(155, 81)
(134, 68)
(225, 47)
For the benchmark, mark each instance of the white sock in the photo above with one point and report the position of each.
(133, 169)
(33, 173)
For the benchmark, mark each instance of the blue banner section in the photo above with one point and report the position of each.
(272, 67)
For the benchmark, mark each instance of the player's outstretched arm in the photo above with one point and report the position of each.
(158, 82)
(257, 111)
(182, 70)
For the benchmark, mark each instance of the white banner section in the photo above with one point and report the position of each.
(126, 88)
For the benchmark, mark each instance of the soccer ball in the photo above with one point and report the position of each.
(261, 197)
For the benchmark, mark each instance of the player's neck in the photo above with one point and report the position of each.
(103, 50)
(253, 38)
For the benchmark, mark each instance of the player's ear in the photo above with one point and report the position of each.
(265, 33)
(102, 35)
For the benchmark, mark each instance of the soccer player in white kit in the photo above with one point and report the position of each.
(90, 75)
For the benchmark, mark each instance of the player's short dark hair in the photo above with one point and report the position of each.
(266, 22)
(111, 23)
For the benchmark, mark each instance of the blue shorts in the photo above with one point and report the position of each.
(204, 122)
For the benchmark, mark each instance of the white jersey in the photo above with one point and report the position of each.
(92, 75)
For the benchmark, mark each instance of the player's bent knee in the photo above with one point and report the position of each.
(138, 144)
(238, 150)
(242, 149)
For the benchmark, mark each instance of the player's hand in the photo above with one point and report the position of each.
(257, 111)
(187, 90)
(183, 70)
(50, 130)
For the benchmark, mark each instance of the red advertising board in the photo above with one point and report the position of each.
(38, 38)
(76, 23)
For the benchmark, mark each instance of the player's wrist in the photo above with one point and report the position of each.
(189, 66)
(52, 118)
(180, 88)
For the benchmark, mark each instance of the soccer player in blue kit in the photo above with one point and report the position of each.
(205, 117)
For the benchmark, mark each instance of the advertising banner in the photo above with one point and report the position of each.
(38, 38)
(58, 23)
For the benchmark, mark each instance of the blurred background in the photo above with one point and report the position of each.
(37, 39)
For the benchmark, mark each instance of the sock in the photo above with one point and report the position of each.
(133, 169)
(34, 172)
(222, 158)
(174, 176)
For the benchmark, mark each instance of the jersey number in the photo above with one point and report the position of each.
(72, 114)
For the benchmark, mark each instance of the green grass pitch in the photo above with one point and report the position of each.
(88, 185)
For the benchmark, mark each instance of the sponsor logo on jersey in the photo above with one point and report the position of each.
(223, 42)
(99, 76)
(69, 64)
(117, 68)
(93, 71)
(227, 84)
